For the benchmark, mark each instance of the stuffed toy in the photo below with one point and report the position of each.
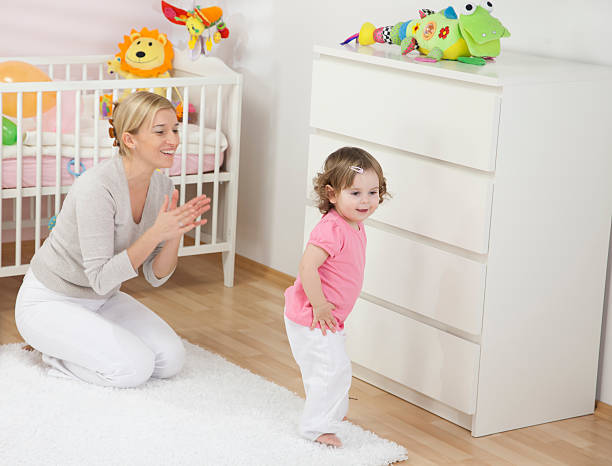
(106, 105)
(143, 54)
(472, 36)
(198, 21)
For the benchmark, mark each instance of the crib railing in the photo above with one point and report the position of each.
(217, 99)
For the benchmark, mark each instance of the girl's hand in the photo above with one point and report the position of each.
(321, 314)
(172, 222)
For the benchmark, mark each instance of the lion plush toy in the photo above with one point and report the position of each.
(144, 54)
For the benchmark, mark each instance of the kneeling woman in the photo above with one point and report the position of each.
(117, 216)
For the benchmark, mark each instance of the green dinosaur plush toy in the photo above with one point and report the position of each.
(470, 37)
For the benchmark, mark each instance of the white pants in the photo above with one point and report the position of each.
(115, 342)
(326, 373)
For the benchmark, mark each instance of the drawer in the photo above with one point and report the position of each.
(423, 279)
(443, 202)
(436, 117)
(425, 359)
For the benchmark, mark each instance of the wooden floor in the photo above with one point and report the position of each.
(244, 324)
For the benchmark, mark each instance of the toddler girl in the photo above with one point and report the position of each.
(350, 189)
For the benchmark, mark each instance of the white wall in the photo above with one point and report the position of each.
(271, 44)
(73, 27)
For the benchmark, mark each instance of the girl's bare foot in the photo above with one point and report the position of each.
(345, 418)
(329, 439)
(28, 348)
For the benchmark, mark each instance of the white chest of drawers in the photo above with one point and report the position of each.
(485, 274)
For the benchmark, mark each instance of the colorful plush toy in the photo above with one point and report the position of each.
(192, 115)
(198, 21)
(470, 37)
(106, 105)
(52, 222)
(143, 54)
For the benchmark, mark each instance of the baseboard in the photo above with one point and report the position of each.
(265, 271)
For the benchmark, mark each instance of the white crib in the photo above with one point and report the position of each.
(33, 172)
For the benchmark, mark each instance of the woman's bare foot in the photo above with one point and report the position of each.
(329, 439)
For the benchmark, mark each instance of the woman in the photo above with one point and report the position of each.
(119, 215)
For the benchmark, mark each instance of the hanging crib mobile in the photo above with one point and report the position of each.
(205, 26)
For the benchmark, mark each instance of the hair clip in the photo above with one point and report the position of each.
(111, 132)
(357, 169)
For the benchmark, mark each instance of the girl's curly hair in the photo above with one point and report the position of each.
(338, 174)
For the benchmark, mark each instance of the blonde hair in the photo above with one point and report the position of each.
(133, 112)
(338, 174)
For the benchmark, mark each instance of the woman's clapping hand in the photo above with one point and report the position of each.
(172, 222)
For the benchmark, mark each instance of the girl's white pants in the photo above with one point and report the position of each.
(116, 342)
(326, 373)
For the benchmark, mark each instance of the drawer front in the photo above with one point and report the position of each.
(423, 279)
(441, 118)
(420, 357)
(432, 199)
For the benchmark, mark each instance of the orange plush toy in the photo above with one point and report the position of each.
(143, 54)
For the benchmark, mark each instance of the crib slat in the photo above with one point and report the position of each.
(169, 97)
(58, 151)
(18, 199)
(201, 156)
(84, 72)
(96, 113)
(215, 200)
(100, 72)
(37, 210)
(49, 206)
(184, 142)
(67, 72)
(77, 133)
(184, 149)
(51, 71)
(30, 219)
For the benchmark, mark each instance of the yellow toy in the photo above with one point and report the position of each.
(198, 21)
(144, 54)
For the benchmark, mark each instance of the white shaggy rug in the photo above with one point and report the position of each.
(212, 413)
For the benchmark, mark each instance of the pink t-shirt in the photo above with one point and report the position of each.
(341, 273)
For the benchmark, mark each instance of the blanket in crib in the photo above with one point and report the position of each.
(105, 143)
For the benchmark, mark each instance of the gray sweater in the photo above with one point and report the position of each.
(85, 256)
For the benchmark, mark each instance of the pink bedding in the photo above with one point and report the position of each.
(9, 169)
